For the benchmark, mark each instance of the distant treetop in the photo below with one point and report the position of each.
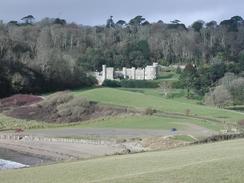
(28, 19)
(110, 22)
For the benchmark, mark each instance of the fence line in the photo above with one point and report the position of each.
(27, 138)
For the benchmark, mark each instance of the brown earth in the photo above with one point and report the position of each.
(18, 100)
(61, 107)
(58, 151)
(44, 114)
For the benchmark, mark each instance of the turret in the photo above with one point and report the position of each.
(133, 69)
(124, 72)
(155, 65)
(104, 72)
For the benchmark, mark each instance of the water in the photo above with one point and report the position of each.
(10, 159)
(4, 165)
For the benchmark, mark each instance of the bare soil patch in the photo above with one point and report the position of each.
(59, 151)
(18, 100)
(63, 107)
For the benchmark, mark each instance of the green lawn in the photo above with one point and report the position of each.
(140, 100)
(168, 76)
(218, 162)
(131, 122)
(148, 122)
(178, 94)
(138, 122)
(184, 138)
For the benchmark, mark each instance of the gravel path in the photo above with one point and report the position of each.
(62, 150)
(124, 133)
(58, 151)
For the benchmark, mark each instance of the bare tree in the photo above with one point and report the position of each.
(165, 87)
(220, 97)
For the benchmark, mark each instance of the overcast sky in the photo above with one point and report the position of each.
(95, 12)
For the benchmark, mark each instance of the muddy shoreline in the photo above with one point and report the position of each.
(24, 158)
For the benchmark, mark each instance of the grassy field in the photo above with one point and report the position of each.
(124, 122)
(148, 122)
(178, 94)
(168, 76)
(140, 100)
(12, 123)
(217, 162)
(9, 123)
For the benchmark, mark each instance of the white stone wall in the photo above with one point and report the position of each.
(110, 73)
(131, 73)
(140, 74)
(104, 73)
(125, 72)
(149, 73)
(119, 75)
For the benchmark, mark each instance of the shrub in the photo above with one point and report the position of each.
(82, 103)
(241, 123)
(150, 111)
(111, 83)
(130, 84)
(56, 99)
(138, 84)
(74, 109)
(177, 85)
(188, 112)
(220, 97)
(237, 90)
(63, 106)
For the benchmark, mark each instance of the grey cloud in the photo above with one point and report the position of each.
(91, 12)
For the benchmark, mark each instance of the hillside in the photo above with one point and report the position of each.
(140, 100)
(218, 162)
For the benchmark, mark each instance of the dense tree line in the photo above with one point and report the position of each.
(53, 54)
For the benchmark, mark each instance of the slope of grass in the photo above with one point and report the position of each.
(12, 123)
(138, 122)
(184, 138)
(168, 76)
(140, 100)
(148, 122)
(129, 122)
(9, 123)
(177, 94)
(218, 162)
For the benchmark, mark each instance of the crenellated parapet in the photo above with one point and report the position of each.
(109, 73)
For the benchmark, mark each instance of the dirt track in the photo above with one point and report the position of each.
(124, 133)
(68, 150)
(60, 150)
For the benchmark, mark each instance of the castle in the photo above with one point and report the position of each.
(109, 73)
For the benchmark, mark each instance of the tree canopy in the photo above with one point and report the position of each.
(57, 54)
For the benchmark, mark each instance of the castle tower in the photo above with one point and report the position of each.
(104, 72)
(124, 72)
(155, 66)
(133, 69)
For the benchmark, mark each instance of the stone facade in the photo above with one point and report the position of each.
(109, 73)
(151, 72)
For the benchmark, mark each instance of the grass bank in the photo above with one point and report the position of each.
(141, 100)
(217, 162)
